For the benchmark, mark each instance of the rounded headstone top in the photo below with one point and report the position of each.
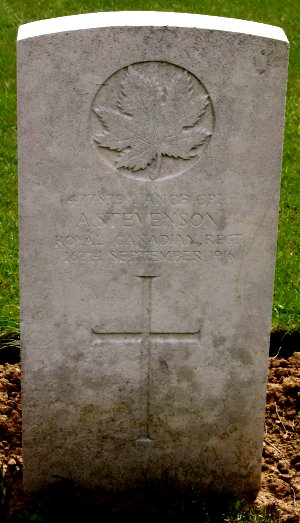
(148, 18)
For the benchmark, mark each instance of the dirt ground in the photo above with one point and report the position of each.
(280, 485)
(281, 454)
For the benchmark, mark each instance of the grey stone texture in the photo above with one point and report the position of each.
(149, 172)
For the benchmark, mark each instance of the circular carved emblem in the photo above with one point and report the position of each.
(151, 120)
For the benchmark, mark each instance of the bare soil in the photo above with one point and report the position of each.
(280, 486)
(280, 483)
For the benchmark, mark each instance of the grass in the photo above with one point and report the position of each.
(285, 14)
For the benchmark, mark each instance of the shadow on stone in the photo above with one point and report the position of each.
(63, 502)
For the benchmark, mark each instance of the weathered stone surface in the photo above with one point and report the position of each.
(150, 161)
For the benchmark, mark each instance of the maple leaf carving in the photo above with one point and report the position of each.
(152, 119)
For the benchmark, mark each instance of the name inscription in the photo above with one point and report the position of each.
(119, 229)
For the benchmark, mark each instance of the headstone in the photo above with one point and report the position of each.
(150, 158)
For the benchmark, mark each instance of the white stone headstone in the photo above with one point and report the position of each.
(149, 167)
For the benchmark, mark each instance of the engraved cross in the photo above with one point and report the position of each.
(145, 337)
